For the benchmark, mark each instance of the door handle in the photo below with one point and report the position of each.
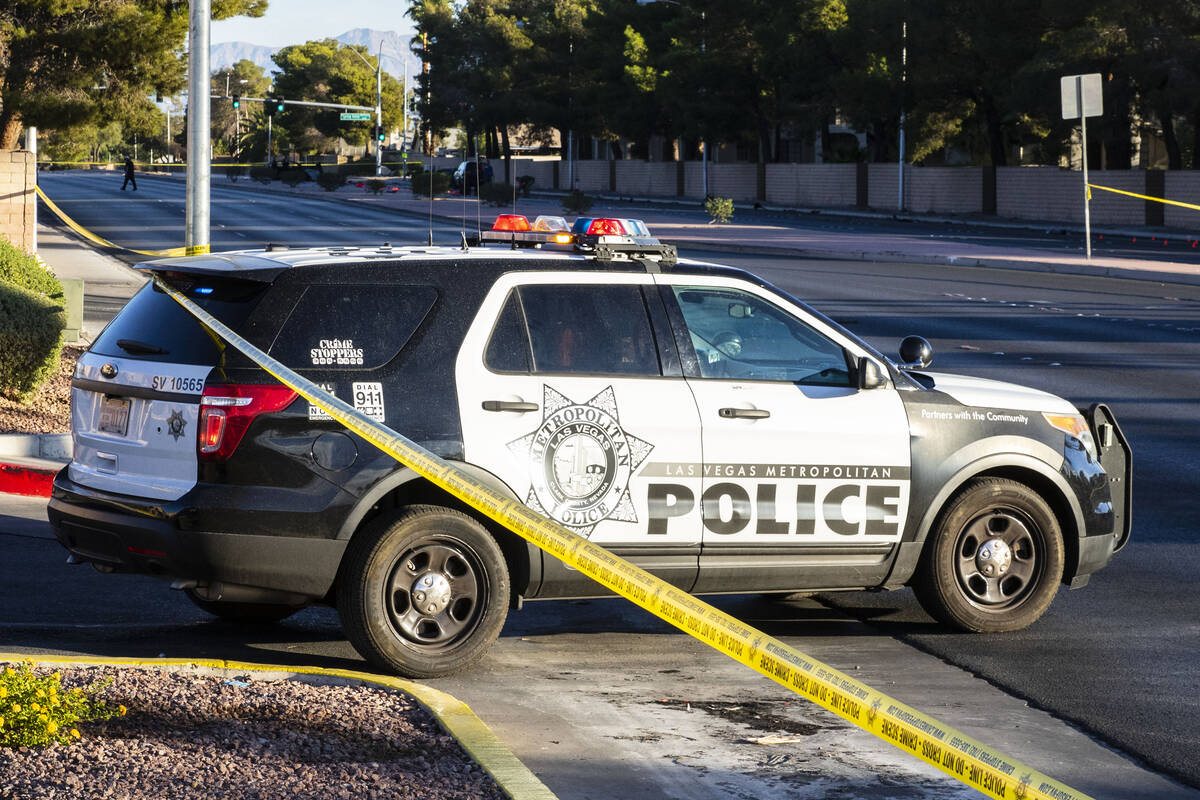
(743, 413)
(506, 405)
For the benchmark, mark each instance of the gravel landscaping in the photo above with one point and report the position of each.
(200, 736)
(50, 409)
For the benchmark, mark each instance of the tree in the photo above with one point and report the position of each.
(245, 79)
(83, 61)
(330, 72)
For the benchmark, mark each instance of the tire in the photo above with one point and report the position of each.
(423, 594)
(968, 583)
(246, 613)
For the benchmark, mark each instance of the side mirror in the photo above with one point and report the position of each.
(915, 353)
(870, 376)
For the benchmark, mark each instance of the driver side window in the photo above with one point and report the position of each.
(740, 336)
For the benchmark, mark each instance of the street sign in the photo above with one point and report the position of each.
(354, 116)
(1085, 87)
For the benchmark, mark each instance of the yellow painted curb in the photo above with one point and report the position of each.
(513, 777)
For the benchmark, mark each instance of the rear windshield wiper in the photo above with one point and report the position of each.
(140, 348)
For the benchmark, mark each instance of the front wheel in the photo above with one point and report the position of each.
(424, 593)
(995, 560)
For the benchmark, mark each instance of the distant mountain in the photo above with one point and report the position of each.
(394, 51)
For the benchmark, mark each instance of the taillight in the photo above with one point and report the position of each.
(226, 411)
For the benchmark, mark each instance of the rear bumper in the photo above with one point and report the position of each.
(130, 535)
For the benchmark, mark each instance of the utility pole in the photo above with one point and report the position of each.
(903, 86)
(196, 230)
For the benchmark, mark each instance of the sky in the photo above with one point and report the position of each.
(294, 21)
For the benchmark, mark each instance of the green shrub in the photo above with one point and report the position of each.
(263, 175)
(31, 334)
(376, 185)
(576, 202)
(438, 182)
(293, 177)
(36, 711)
(17, 268)
(233, 173)
(497, 194)
(524, 184)
(330, 180)
(719, 208)
(413, 168)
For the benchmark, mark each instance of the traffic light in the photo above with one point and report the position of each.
(273, 104)
(279, 104)
(237, 101)
(379, 133)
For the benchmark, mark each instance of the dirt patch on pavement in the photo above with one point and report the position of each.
(50, 409)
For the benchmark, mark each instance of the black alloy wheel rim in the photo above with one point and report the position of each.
(998, 559)
(435, 594)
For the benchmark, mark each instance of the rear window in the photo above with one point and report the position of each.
(153, 327)
(335, 327)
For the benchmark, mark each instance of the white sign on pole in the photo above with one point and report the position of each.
(1085, 89)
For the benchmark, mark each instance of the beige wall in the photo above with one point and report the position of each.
(1040, 194)
(17, 198)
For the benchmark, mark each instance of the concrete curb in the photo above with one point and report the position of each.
(514, 778)
(51, 446)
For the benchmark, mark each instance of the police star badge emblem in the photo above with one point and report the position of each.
(580, 461)
(176, 424)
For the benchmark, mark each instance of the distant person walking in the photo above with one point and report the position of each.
(129, 174)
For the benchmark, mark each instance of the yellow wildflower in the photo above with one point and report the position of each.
(16, 707)
(41, 693)
(121, 710)
(35, 707)
(51, 727)
(3, 692)
(56, 675)
(74, 733)
(1, 722)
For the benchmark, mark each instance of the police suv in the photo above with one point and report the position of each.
(691, 418)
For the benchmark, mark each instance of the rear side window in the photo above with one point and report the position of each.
(589, 329)
(335, 327)
(153, 327)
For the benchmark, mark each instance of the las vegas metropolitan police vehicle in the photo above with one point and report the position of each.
(692, 418)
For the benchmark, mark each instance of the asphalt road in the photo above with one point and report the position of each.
(1115, 658)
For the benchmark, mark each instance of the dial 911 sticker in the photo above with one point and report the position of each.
(368, 398)
(316, 412)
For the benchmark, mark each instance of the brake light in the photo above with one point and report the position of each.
(510, 222)
(226, 411)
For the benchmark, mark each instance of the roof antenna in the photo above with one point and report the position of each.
(464, 240)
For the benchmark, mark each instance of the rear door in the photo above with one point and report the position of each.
(564, 396)
(135, 396)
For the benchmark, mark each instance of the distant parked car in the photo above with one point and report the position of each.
(464, 178)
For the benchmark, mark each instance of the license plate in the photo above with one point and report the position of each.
(114, 415)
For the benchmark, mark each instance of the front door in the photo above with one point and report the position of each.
(806, 477)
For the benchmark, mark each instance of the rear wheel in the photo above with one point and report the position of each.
(249, 613)
(424, 593)
(995, 561)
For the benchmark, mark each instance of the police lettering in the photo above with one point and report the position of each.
(779, 509)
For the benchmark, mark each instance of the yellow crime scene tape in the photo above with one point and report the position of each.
(953, 752)
(91, 237)
(1091, 186)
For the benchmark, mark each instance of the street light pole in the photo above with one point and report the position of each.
(196, 229)
(378, 103)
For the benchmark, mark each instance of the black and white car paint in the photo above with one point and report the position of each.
(691, 418)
